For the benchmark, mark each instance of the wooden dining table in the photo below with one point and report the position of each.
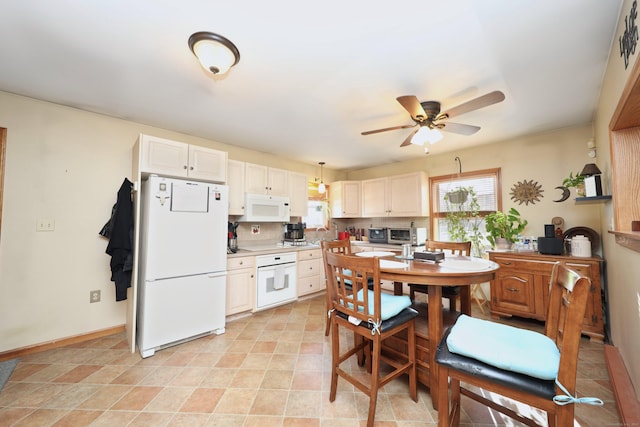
(461, 271)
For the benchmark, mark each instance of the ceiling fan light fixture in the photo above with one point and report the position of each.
(426, 134)
(216, 53)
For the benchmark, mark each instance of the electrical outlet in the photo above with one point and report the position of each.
(94, 296)
(48, 224)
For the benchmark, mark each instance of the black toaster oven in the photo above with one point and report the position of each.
(378, 235)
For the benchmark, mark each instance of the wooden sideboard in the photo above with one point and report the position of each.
(521, 287)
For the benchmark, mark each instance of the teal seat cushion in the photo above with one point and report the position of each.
(390, 305)
(505, 347)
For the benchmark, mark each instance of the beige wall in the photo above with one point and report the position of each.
(546, 158)
(67, 165)
(623, 265)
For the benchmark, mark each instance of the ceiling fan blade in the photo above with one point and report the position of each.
(412, 105)
(458, 128)
(408, 140)
(369, 132)
(475, 104)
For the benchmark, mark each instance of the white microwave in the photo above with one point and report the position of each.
(265, 208)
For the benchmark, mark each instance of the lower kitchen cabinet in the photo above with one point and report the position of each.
(310, 272)
(521, 287)
(241, 284)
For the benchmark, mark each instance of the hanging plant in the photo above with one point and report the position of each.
(458, 196)
(463, 218)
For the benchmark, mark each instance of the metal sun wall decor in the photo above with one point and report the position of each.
(629, 39)
(526, 192)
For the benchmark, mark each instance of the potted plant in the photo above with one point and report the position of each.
(463, 219)
(506, 226)
(576, 181)
(457, 196)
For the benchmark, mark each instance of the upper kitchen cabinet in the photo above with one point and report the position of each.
(345, 199)
(172, 158)
(261, 179)
(235, 180)
(298, 194)
(395, 196)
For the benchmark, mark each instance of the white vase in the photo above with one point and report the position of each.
(503, 244)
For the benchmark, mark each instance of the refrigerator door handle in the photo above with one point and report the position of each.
(217, 274)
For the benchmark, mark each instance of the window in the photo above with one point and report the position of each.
(317, 208)
(482, 195)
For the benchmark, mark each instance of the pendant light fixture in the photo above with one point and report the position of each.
(321, 187)
(216, 53)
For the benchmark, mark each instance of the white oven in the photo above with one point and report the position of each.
(276, 279)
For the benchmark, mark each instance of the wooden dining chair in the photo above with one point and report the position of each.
(451, 293)
(373, 316)
(530, 367)
(335, 246)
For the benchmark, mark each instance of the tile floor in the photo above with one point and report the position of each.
(269, 369)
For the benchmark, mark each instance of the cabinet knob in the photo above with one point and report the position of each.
(241, 262)
(184, 167)
(513, 290)
(191, 168)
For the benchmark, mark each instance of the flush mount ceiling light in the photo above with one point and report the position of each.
(426, 134)
(216, 53)
(321, 187)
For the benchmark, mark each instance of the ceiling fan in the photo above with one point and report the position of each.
(427, 116)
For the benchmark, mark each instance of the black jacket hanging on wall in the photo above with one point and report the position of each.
(119, 230)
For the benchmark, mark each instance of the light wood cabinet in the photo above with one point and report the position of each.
(345, 199)
(374, 198)
(172, 158)
(298, 194)
(310, 272)
(241, 284)
(258, 179)
(521, 287)
(408, 195)
(235, 180)
(395, 196)
(261, 179)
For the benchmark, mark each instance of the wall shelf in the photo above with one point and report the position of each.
(628, 239)
(593, 198)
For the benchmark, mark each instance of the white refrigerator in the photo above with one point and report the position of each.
(183, 260)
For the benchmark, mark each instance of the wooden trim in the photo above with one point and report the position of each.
(12, 354)
(628, 239)
(627, 112)
(625, 396)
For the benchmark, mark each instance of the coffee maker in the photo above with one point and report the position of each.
(294, 232)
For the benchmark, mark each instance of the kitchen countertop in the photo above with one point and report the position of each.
(277, 247)
(269, 248)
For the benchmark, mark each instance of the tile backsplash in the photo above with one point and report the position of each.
(274, 231)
